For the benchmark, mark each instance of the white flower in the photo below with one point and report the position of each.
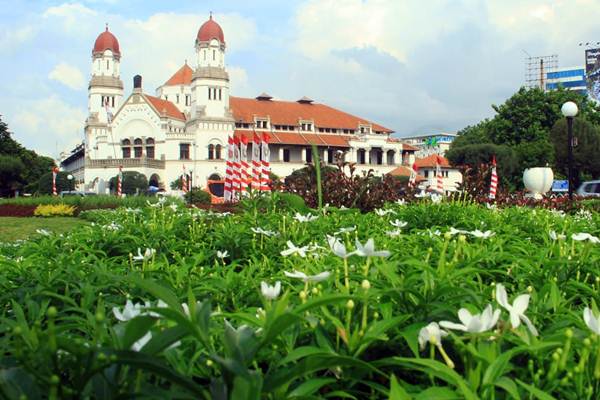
(308, 278)
(305, 218)
(381, 212)
(482, 235)
(43, 232)
(453, 231)
(112, 227)
(490, 206)
(270, 292)
(130, 311)
(585, 236)
(173, 207)
(394, 233)
(222, 254)
(436, 198)
(554, 236)
(337, 247)
(591, 321)
(293, 249)
(476, 323)
(368, 250)
(516, 310)
(432, 334)
(401, 202)
(143, 257)
(343, 208)
(261, 231)
(398, 224)
(346, 230)
(137, 346)
(437, 232)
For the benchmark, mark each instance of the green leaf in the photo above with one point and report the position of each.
(309, 387)
(510, 387)
(159, 291)
(135, 329)
(438, 393)
(301, 352)
(539, 394)
(397, 392)
(164, 339)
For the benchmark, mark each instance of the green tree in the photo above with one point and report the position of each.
(45, 183)
(133, 183)
(585, 153)
(11, 170)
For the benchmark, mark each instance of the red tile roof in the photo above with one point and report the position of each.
(165, 107)
(296, 138)
(210, 30)
(106, 41)
(182, 77)
(290, 113)
(408, 147)
(430, 161)
(404, 171)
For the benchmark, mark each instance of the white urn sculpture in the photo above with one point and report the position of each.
(538, 181)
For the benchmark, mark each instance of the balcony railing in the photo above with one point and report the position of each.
(142, 162)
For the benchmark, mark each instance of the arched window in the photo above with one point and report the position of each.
(214, 177)
(126, 147)
(150, 148)
(211, 152)
(361, 156)
(137, 148)
(218, 152)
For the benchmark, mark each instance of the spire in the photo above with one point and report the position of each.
(106, 26)
(210, 15)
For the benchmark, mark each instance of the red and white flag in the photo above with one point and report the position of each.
(256, 163)
(494, 181)
(438, 175)
(237, 167)
(265, 164)
(227, 192)
(120, 182)
(184, 181)
(412, 181)
(245, 178)
(54, 173)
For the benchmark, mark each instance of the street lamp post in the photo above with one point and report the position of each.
(569, 110)
(70, 178)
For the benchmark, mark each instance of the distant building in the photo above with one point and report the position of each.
(430, 143)
(572, 78)
(451, 176)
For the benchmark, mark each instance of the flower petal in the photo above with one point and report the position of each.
(530, 326)
(521, 303)
(453, 325)
(501, 297)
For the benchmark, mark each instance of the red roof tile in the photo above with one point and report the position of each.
(405, 171)
(182, 77)
(430, 161)
(295, 138)
(290, 113)
(165, 107)
(408, 147)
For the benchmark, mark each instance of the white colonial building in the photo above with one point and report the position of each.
(192, 114)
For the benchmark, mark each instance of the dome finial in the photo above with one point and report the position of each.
(210, 15)
(106, 26)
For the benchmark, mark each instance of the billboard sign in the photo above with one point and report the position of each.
(592, 71)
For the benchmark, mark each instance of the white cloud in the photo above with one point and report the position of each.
(48, 124)
(68, 75)
(238, 79)
(11, 39)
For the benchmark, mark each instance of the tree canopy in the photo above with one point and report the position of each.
(133, 183)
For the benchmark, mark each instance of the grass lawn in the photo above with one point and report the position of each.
(14, 228)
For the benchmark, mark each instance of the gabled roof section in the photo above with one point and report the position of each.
(165, 107)
(290, 113)
(430, 161)
(183, 76)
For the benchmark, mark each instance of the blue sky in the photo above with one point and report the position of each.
(408, 65)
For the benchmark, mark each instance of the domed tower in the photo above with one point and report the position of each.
(105, 88)
(210, 82)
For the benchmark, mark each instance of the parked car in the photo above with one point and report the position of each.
(66, 193)
(589, 188)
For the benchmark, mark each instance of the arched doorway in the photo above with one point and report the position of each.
(154, 181)
(215, 185)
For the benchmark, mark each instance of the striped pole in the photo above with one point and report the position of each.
(412, 181)
(244, 163)
(54, 173)
(184, 181)
(120, 182)
(265, 164)
(228, 171)
(494, 181)
(237, 174)
(438, 174)
(256, 163)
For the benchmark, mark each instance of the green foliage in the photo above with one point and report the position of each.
(62, 183)
(585, 155)
(133, 183)
(476, 154)
(11, 170)
(197, 196)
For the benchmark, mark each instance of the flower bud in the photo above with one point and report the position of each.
(569, 333)
(52, 312)
(462, 238)
(447, 236)
(366, 285)
(303, 295)
(350, 304)
(530, 288)
(315, 290)
(209, 363)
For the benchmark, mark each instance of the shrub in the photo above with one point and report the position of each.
(54, 210)
(197, 196)
(133, 183)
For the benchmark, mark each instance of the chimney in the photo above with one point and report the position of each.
(137, 84)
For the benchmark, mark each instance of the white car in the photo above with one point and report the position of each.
(589, 189)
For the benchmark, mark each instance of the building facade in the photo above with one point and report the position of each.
(188, 121)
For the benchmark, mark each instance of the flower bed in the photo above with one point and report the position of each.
(420, 301)
(16, 210)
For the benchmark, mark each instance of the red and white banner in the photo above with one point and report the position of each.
(412, 181)
(227, 191)
(438, 175)
(237, 166)
(256, 163)
(245, 177)
(120, 182)
(184, 181)
(494, 181)
(265, 164)
(54, 173)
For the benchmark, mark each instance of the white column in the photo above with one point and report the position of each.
(303, 155)
(281, 154)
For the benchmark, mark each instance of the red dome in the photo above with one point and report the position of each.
(106, 41)
(210, 30)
